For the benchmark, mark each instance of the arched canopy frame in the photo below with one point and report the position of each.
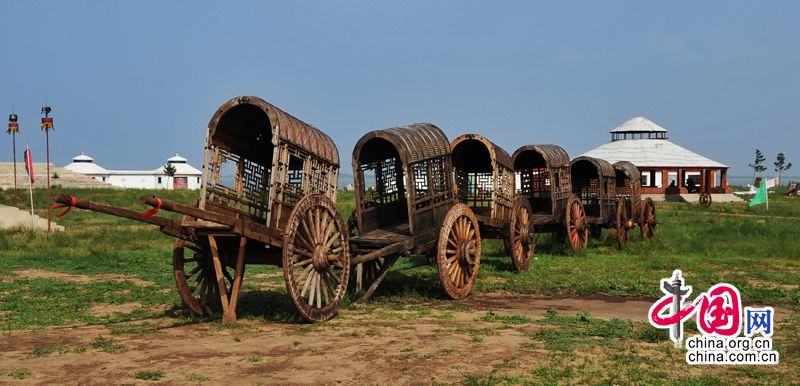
(411, 169)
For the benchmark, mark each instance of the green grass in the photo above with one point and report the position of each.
(753, 248)
(148, 375)
(20, 373)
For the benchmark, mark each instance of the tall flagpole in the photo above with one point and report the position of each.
(47, 125)
(13, 129)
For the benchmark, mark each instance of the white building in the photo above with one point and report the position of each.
(665, 166)
(186, 176)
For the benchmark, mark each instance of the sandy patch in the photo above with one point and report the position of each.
(104, 309)
(42, 274)
(536, 307)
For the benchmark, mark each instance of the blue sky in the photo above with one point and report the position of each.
(131, 83)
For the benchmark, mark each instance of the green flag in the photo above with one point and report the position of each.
(761, 195)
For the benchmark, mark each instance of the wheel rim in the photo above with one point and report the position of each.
(577, 229)
(521, 246)
(622, 224)
(705, 200)
(459, 253)
(196, 279)
(316, 260)
(649, 221)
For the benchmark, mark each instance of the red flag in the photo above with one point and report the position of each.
(28, 162)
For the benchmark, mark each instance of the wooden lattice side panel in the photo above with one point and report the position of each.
(238, 183)
(297, 174)
(504, 193)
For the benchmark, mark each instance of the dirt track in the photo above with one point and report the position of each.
(361, 346)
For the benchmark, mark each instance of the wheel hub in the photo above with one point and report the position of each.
(579, 225)
(525, 237)
(319, 259)
(466, 252)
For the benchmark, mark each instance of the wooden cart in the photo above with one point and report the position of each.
(594, 182)
(406, 202)
(485, 182)
(268, 191)
(638, 211)
(629, 199)
(543, 173)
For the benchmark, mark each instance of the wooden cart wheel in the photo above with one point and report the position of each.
(520, 235)
(623, 210)
(705, 199)
(647, 227)
(459, 251)
(575, 222)
(316, 258)
(196, 279)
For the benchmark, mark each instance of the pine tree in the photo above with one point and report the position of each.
(169, 170)
(757, 164)
(781, 166)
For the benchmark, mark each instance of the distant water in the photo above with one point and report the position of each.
(744, 180)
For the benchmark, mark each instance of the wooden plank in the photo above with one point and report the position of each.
(223, 290)
(490, 221)
(114, 211)
(203, 224)
(378, 238)
(385, 251)
(237, 281)
(387, 263)
(542, 218)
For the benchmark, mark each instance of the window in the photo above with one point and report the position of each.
(672, 179)
(645, 179)
(693, 176)
(657, 180)
(295, 172)
(159, 180)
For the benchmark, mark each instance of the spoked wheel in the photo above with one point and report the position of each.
(577, 228)
(520, 236)
(316, 258)
(623, 219)
(648, 224)
(459, 251)
(705, 199)
(196, 279)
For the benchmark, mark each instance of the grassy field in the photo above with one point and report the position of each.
(43, 283)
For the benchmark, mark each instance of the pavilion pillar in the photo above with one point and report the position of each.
(703, 181)
(724, 177)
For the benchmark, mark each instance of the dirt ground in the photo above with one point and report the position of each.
(356, 347)
(361, 346)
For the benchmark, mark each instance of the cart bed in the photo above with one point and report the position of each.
(542, 218)
(382, 237)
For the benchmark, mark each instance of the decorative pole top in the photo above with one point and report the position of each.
(13, 125)
(47, 121)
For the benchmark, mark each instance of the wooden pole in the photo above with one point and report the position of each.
(47, 143)
(14, 154)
